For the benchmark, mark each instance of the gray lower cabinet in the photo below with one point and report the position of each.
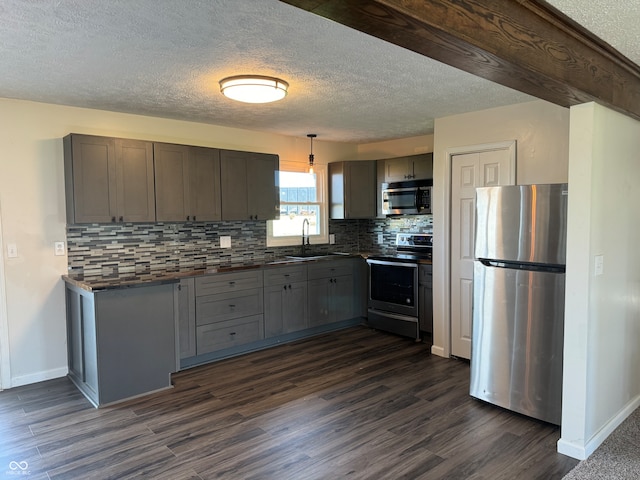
(187, 317)
(229, 310)
(331, 292)
(121, 342)
(425, 301)
(285, 300)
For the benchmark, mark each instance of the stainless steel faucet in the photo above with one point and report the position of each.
(304, 244)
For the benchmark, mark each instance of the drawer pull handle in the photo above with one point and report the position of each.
(232, 283)
(232, 306)
(232, 333)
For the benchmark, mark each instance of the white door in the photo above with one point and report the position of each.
(468, 171)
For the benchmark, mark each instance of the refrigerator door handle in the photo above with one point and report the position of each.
(534, 267)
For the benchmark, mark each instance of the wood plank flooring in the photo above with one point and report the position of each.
(357, 404)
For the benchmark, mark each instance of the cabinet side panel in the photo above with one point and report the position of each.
(136, 341)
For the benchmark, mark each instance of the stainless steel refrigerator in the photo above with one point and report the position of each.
(518, 298)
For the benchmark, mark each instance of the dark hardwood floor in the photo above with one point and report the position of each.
(355, 404)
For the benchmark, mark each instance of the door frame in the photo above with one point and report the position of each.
(511, 146)
(5, 360)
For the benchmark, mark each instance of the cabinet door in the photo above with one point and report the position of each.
(262, 187)
(187, 318)
(274, 299)
(205, 197)
(341, 298)
(285, 308)
(134, 181)
(396, 170)
(233, 173)
(90, 178)
(318, 301)
(423, 166)
(171, 170)
(360, 189)
(295, 309)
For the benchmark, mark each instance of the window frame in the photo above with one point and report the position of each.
(322, 194)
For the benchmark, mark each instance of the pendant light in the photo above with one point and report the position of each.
(311, 157)
(254, 88)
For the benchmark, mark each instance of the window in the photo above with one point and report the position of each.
(302, 197)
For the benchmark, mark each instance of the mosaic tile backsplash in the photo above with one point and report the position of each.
(106, 248)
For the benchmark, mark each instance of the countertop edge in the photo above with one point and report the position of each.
(94, 283)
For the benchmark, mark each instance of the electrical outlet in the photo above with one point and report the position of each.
(380, 239)
(332, 239)
(58, 249)
(12, 250)
(225, 241)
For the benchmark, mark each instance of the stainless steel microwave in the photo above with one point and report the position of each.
(407, 198)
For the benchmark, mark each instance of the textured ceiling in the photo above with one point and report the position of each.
(164, 58)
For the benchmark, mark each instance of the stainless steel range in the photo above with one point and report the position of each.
(400, 287)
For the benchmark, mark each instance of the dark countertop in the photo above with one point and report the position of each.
(158, 276)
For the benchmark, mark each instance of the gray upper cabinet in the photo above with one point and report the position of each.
(352, 189)
(187, 183)
(249, 185)
(413, 167)
(108, 180)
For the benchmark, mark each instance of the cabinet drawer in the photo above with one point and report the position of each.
(228, 334)
(282, 275)
(228, 282)
(330, 269)
(225, 306)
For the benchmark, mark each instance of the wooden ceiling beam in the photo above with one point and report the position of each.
(527, 45)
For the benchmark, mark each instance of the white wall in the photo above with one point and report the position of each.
(602, 313)
(396, 148)
(33, 213)
(541, 131)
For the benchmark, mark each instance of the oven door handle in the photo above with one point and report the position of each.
(392, 263)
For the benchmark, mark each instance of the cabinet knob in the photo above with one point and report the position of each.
(285, 287)
(194, 218)
(187, 218)
(113, 219)
(121, 218)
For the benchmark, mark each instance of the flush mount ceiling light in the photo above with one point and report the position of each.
(253, 88)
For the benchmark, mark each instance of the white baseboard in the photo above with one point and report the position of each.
(439, 351)
(38, 377)
(582, 452)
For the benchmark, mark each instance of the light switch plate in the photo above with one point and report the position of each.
(58, 249)
(12, 250)
(225, 241)
(380, 239)
(599, 265)
(332, 239)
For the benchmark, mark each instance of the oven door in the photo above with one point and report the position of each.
(393, 286)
